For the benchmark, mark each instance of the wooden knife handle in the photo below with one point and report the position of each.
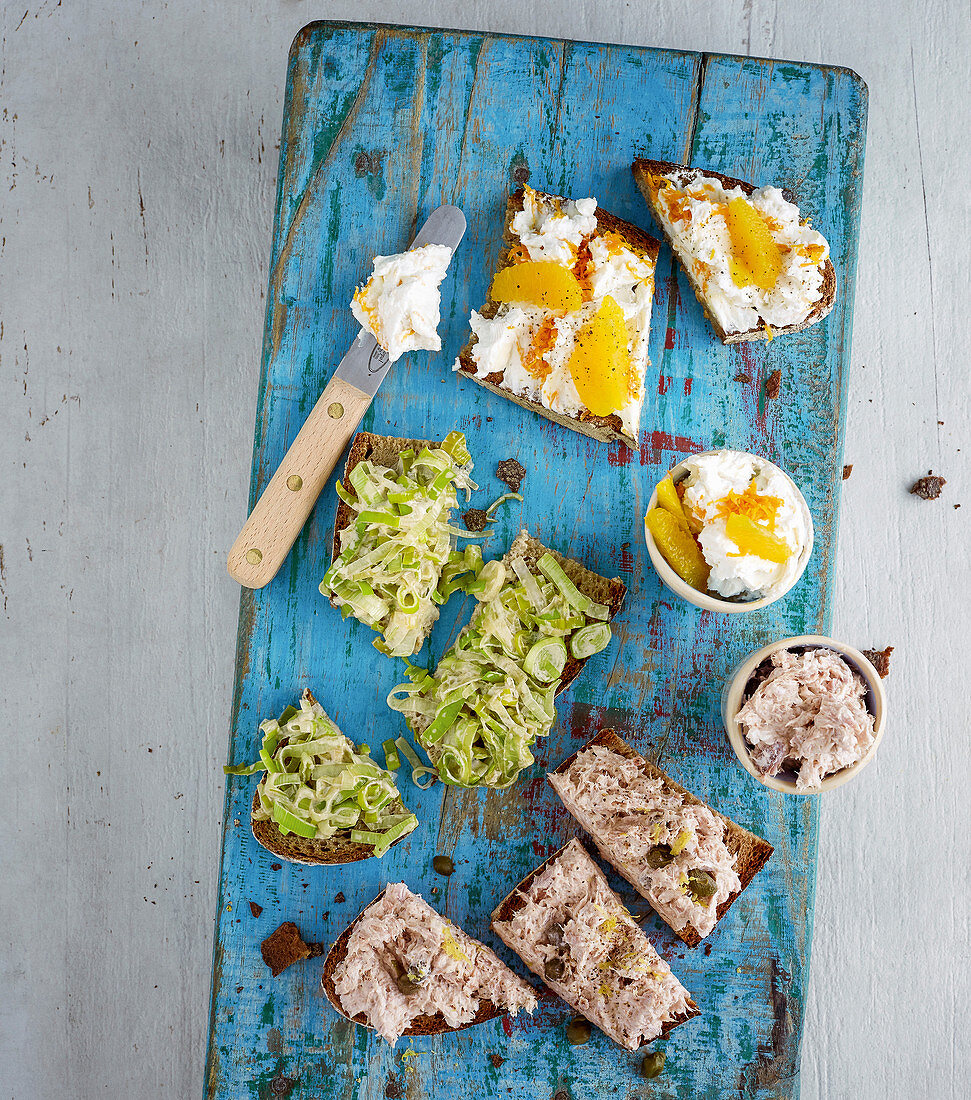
(289, 497)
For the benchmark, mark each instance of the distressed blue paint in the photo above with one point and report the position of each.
(448, 117)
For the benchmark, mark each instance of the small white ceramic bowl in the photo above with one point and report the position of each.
(734, 692)
(708, 600)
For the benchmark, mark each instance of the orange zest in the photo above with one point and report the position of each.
(759, 508)
(583, 270)
(535, 361)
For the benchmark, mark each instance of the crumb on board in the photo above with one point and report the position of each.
(475, 519)
(496, 1060)
(743, 377)
(511, 473)
(339, 897)
(276, 866)
(773, 384)
(880, 659)
(255, 909)
(847, 470)
(929, 487)
(285, 946)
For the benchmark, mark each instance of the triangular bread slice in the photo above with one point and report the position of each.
(335, 850)
(605, 428)
(609, 591)
(682, 176)
(422, 1024)
(751, 852)
(517, 899)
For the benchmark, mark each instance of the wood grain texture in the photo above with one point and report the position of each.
(138, 161)
(420, 100)
(290, 494)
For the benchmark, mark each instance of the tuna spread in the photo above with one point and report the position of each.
(400, 304)
(404, 960)
(672, 852)
(809, 715)
(571, 930)
(749, 522)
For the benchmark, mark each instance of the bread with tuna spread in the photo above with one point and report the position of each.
(572, 930)
(403, 969)
(690, 862)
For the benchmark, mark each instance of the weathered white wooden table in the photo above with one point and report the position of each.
(138, 159)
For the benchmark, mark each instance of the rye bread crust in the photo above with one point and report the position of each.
(683, 176)
(751, 852)
(335, 850)
(610, 591)
(515, 900)
(421, 1025)
(604, 428)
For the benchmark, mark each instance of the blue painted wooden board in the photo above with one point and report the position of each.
(381, 125)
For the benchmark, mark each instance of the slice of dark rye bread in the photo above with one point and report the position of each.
(683, 176)
(515, 900)
(308, 850)
(382, 450)
(609, 591)
(751, 852)
(421, 1025)
(604, 428)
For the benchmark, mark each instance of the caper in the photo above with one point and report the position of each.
(578, 1032)
(660, 856)
(443, 865)
(701, 885)
(652, 1064)
(554, 969)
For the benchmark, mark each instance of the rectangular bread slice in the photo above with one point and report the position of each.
(749, 852)
(572, 930)
(682, 177)
(603, 427)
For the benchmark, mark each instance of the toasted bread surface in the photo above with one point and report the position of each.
(751, 852)
(604, 428)
(421, 1025)
(683, 175)
(515, 900)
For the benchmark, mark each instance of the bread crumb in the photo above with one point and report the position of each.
(496, 1060)
(847, 470)
(284, 947)
(511, 473)
(880, 659)
(475, 519)
(743, 377)
(339, 897)
(255, 909)
(929, 487)
(276, 866)
(773, 384)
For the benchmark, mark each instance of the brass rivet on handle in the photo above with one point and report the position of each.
(335, 411)
(254, 556)
(294, 483)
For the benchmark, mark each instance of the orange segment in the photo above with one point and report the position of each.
(600, 361)
(667, 498)
(755, 252)
(678, 548)
(750, 538)
(538, 283)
